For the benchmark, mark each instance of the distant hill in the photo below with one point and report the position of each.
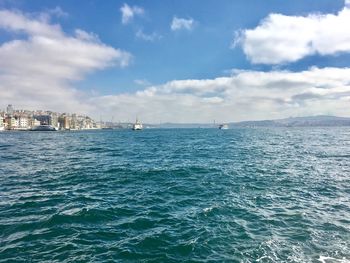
(321, 120)
(310, 121)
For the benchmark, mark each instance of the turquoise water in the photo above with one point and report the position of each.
(174, 195)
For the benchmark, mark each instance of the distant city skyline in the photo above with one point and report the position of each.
(23, 119)
(183, 61)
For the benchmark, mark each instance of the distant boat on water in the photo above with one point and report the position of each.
(223, 127)
(137, 126)
(43, 128)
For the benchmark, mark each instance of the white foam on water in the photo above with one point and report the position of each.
(324, 259)
(266, 258)
(208, 209)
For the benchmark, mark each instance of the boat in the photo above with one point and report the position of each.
(223, 127)
(2, 128)
(43, 128)
(137, 126)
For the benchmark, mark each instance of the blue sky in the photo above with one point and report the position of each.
(156, 55)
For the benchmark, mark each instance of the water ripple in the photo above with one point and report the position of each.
(199, 195)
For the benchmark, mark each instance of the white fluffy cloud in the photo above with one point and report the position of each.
(280, 38)
(245, 95)
(129, 12)
(38, 67)
(181, 23)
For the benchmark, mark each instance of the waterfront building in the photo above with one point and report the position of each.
(74, 122)
(23, 122)
(33, 122)
(53, 120)
(64, 122)
(2, 126)
(10, 122)
(16, 122)
(26, 119)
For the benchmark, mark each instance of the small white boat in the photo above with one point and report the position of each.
(2, 128)
(137, 126)
(223, 127)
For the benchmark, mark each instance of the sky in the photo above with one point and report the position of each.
(177, 61)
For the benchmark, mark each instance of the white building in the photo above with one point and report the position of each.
(33, 122)
(23, 122)
(14, 122)
(2, 126)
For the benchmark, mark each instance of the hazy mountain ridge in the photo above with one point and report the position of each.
(309, 121)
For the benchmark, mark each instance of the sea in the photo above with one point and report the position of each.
(176, 195)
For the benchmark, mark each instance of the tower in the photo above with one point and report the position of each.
(9, 109)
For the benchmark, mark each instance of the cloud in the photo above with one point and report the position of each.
(245, 95)
(282, 39)
(38, 67)
(142, 82)
(15, 21)
(57, 11)
(181, 24)
(147, 37)
(129, 12)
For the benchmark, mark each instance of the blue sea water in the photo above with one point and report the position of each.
(176, 195)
